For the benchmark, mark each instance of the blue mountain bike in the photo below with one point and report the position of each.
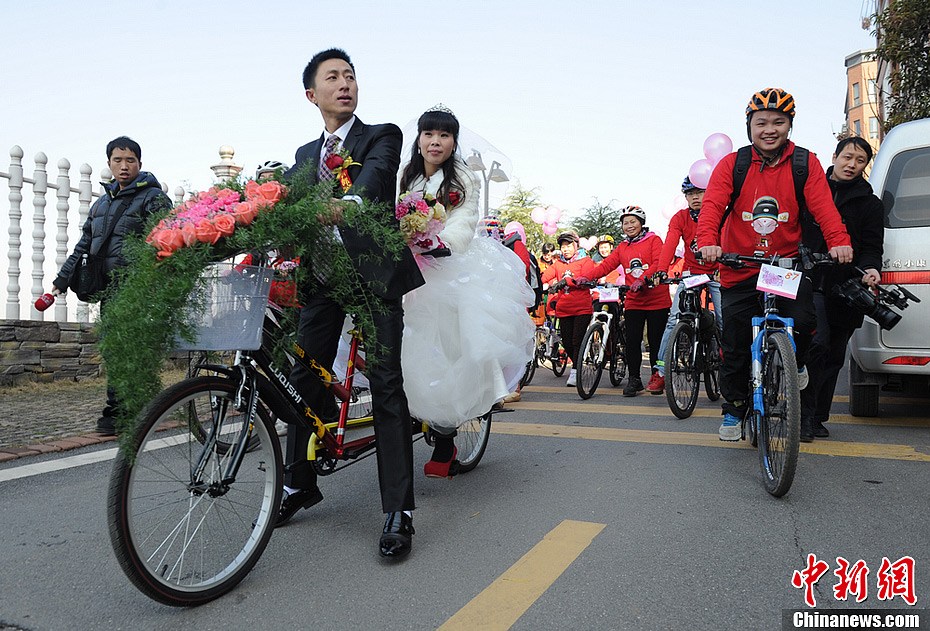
(773, 421)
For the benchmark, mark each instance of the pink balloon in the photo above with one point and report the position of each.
(550, 228)
(716, 147)
(538, 215)
(515, 226)
(553, 214)
(700, 173)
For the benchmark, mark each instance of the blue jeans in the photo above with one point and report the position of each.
(714, 288)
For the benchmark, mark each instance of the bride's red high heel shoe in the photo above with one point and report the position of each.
(434, 469)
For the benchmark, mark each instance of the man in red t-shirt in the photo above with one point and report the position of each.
(769, 118)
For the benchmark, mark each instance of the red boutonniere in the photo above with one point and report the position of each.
(339, 164)
(455, 198)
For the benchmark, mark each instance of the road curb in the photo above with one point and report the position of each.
(61, 444)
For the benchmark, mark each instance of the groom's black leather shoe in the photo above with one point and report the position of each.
(397, 536)
(293, 502)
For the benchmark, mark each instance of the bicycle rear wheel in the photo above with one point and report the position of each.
(780, 427)
(182, 533)
(590, 362)
(712, 361)
(471, 440)
(681, 375)
(560, 361)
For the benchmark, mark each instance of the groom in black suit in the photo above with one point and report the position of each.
(329, 81)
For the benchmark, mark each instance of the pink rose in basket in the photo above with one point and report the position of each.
(225, 224)
(245, 213)
(251, 189)
(207, 232)
(189, 232)
(167, 241)
(271, 191)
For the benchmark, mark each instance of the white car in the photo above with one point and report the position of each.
(898, 359)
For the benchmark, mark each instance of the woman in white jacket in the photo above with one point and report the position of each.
(467, 337)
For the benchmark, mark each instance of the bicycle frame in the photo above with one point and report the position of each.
(762, 326)
(605, 317)
(290, 406)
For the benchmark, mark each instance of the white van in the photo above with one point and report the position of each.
(898, 360)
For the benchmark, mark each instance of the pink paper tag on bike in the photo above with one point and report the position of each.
(695, 281)
(779, 281)
(608, 294)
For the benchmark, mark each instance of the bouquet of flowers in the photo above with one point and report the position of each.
(213, 214)
(421, 220)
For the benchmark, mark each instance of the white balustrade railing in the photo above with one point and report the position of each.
(68, 225)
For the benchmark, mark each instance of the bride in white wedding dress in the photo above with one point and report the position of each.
(467, 334)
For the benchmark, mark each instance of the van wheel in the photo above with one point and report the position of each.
(863, 395)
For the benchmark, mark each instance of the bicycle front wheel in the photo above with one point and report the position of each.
(617, 362)
(528, 374)
(780, 426)
(712, 360)
(590, 363)
(681, 375)
(471, 441)
(185, 532)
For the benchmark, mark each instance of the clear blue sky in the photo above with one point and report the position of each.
(609, 99)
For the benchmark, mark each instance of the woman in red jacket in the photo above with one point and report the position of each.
(573, 304)
(638, 253)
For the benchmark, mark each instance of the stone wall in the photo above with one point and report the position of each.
(47, 351)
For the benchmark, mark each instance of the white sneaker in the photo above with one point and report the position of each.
(731, 428)
(803, 378)
(571, 378)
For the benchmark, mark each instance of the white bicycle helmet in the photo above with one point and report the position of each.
(269, 167)
(636, 211)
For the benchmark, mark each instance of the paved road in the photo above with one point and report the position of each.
(604, 514)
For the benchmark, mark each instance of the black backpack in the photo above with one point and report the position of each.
(800, 159)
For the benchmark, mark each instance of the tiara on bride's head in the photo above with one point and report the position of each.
(439, 107)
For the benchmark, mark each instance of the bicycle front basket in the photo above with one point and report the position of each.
(227, 308)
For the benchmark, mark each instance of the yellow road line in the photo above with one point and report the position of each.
(586, 407)
(618, 392)
(886, 451)
(502, 602)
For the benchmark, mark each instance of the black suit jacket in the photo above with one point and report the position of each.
(377, 149)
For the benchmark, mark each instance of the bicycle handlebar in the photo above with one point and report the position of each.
(807, 259)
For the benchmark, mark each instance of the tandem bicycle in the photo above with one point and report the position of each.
(192, 503)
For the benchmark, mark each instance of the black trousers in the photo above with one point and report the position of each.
(321, 322)
(825, 359)
(572, 329)
(740, 303)
(636, 320)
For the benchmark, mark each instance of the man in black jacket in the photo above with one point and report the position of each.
(129, 199)
(863, 214)
(329, 83)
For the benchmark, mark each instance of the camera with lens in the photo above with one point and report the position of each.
(876, 305)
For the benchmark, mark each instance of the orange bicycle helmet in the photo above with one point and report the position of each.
(771, 99)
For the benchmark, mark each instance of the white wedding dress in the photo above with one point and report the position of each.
(467, 334)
